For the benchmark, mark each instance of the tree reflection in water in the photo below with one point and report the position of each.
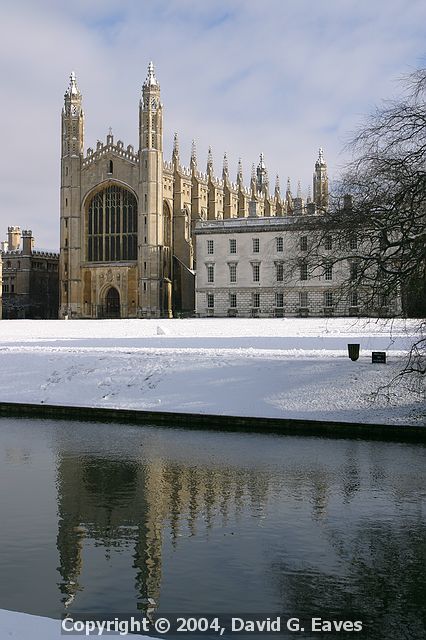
(380, 580)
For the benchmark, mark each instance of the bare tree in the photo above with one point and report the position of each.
(377, 214)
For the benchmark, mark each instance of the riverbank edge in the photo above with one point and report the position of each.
(284, 426)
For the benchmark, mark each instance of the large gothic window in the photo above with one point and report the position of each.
(112, 226)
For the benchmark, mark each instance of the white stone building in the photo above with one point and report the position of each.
(260, 267)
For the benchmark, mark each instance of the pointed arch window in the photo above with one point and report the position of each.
(112, 226)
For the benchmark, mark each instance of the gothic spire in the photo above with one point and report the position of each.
(73, 139)
(175, 154)
(299, 189)
(253, 185)
(320, 162)
(73, 93)
(151, 80)
(210, 162)
(262, 175)
(73, 90)
(320, 183)
(193, 160)
(240, 172)
(225, 171)
(277, 185)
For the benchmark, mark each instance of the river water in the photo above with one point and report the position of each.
(99, 518)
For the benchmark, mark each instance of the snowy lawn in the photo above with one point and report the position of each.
(294, 368)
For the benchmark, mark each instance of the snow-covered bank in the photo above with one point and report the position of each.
(21, 626)
(297, 368)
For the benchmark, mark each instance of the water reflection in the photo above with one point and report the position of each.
(212, 522)
(122, 503)
(380, 576)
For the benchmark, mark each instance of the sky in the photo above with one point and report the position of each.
(282, 77)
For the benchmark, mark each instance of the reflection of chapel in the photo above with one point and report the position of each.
(128, 217)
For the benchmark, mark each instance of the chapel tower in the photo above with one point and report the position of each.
(72, 144)
(155, 288)
(320, 183)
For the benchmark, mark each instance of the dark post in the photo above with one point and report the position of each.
(353, 350)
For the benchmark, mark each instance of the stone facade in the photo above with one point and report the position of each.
(128, 216)
(1, 285)
(30, 278)
(118, 219)
(259, 267)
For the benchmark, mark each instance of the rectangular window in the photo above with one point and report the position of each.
(280, 245)
(353, 299)
(328, 271)
(279, 271)
(232, 245)
(233, 273)
(210, 273)
(210, 301)
(210, 247)
(256, 272)
(328, 243)
(354, 271)
(279, 300)
(304, 243)
(256, 300)
(303, 271)
(233, 300)
(353, 242)
(303, 298)
(256, 245)
(328, 299)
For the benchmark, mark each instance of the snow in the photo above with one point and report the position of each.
(21, 626)
(283, 367)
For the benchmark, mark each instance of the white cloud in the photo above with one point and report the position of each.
(280, 77)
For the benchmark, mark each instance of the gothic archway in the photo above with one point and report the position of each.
(112, 304)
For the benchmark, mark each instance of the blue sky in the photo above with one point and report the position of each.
(281, 77)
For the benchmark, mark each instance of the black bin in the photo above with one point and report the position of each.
(353, 350)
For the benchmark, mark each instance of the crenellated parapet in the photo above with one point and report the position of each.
(116, 149)
(229, 199)
(46, 254)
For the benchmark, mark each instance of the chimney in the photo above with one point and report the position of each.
(14, 238)
(27, 242)
(347, 202)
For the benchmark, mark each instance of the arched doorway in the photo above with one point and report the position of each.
(112, 303)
